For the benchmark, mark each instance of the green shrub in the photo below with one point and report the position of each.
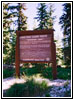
(8, 73)
(64, 73)
(15, 91)
(47, 73)
(43, 85)
(28, 89)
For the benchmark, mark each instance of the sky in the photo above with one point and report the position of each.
(31, 12)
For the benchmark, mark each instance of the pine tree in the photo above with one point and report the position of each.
(65, 21)
(59, 53)
(51, 18)
(17, 14)
(42, 16)
(45, 17)
(22, 25)
(14, 19)
(6, 34)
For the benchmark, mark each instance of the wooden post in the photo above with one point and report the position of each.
(17, 58)
(48, 64)
(54, 67)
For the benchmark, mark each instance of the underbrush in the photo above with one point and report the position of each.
(64, 73)
(32, 88)
(8, 73)
(28, 89)
(46, 72)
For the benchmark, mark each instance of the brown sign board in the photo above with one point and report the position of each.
(35, 46)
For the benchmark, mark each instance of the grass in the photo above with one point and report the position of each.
(62, 73)
(28, 89)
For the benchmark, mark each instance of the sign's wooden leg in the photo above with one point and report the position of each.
(54, 67)
(48, 64)
(54, 70)
(17, 70)
(17, 62)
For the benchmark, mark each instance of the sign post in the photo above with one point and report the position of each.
(35, 47)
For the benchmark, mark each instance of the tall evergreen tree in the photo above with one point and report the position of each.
(45, 16)
(65, 21)
(6, 34)
(15, 15)
(51, 18)
(42, 16)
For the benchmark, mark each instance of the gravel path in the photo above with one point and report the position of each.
(8, 82)
(60, 88)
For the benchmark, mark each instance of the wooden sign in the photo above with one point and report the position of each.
(35, 46)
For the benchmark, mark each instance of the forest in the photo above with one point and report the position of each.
(14, 19)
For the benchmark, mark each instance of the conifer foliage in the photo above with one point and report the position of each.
(13, 19)
(65, 21)
(6, 34)
(51, 18)
(17, 15)
(44, 16)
